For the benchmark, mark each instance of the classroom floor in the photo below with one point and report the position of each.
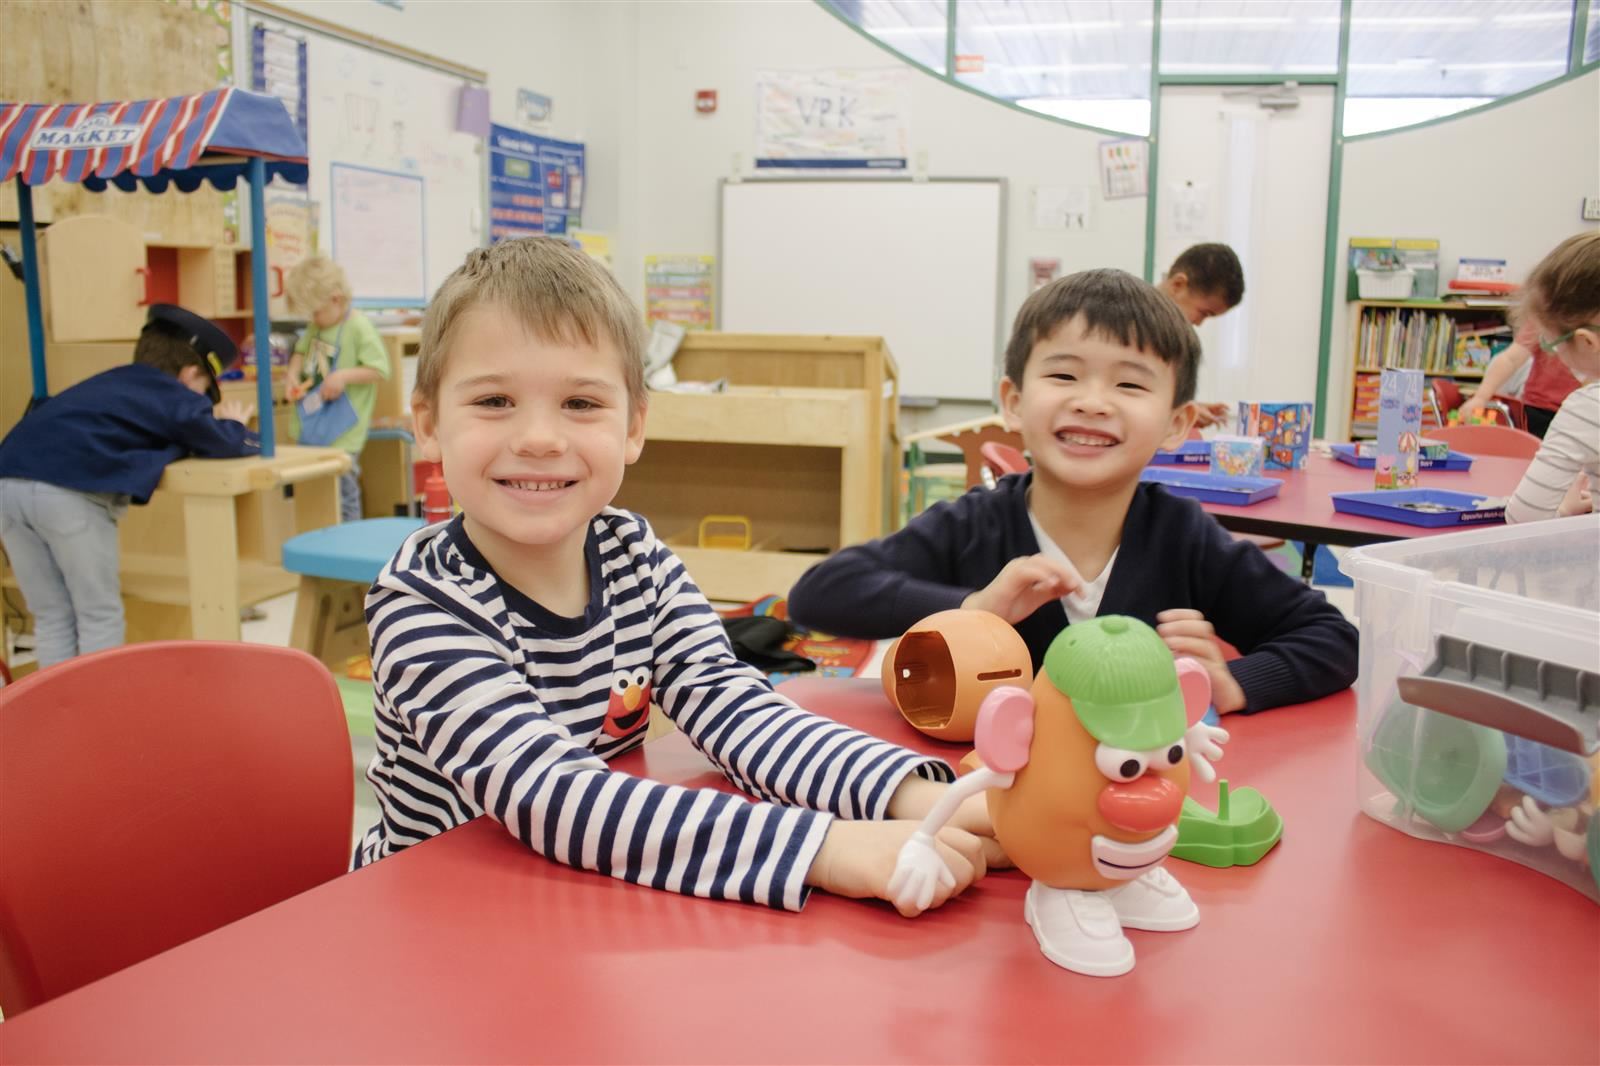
(274, 629)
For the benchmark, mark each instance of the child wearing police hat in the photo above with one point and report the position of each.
(69, 469)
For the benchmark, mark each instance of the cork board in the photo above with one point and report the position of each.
(84, 51)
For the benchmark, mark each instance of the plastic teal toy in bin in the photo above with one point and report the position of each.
(1444, 769)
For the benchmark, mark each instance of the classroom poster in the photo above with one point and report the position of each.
(278, 68)
(851, 119)
(680, 288)
(1123, 168)
(536, 184)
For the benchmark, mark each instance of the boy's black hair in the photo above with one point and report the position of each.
(1114, 305)
(1214, 269)
(165, 348)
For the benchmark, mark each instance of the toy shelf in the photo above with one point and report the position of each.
(803, 443)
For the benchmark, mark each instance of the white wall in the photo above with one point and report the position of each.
(1504, 183)
(685, 46)
(579, 54)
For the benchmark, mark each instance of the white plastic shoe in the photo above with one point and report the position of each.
(1078, 931)
(1154, 902)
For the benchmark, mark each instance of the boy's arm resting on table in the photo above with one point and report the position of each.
(1568, 452)
(880, 589)
(202, 433)
(762, 741)
(1294, 645)
(481, 725)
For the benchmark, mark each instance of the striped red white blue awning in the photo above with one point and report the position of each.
(182, 140)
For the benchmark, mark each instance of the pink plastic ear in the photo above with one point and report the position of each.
(1196, 686)
(1005, 729)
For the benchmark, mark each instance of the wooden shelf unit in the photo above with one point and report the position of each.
(805, 443)
(1361, 405)
(386, 487)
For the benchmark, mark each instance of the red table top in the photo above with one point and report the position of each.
(1350, 942)
(1303, 510)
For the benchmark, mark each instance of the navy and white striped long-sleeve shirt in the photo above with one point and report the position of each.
(486, 703)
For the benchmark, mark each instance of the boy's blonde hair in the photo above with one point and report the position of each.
(559, 294)
(314, 281)
(1563, 292)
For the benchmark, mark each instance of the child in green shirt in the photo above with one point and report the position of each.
(339, 360)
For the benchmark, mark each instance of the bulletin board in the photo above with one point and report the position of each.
(378, 234)
(374, 113)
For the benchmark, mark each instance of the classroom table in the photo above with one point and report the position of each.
(1303, 509)
(1350, 942)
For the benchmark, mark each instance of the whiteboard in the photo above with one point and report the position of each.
(376, 218)
(915, 262)
(373, 109)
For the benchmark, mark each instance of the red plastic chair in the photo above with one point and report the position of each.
(152, 793)
(1000, 460)
(1446, 396)
(1488, 440)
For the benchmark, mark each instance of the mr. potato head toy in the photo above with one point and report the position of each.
(1086, 772)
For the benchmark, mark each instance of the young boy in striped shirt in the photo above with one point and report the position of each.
(518, 647)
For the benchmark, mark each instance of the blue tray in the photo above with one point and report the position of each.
(1346, 453)
(1190, 452)
(1213, 488)
(1388, 504)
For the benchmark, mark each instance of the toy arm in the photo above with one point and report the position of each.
(1004, 734)
(919, 869)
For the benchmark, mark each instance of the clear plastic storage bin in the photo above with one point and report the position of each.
(1479, 693)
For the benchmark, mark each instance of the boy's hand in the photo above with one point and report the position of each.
(332, 387)
(1578, 499)
(1025, 585)
(857, 859)
(1211, 414)
(915, 797)
(234, 411)
(1188, 633)
(294, 390)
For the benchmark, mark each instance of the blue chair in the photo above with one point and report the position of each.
(336, 566)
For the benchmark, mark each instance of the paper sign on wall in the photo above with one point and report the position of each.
(536, 184)
(1123, 168)
(854, 119)
(1061, 207)
(679, 288)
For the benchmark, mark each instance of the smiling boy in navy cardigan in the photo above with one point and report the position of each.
(1100, 374)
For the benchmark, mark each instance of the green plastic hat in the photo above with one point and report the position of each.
(1121, 680)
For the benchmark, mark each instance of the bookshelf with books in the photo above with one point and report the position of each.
(1442, 338)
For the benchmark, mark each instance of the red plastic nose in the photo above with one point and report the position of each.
(1141, 806)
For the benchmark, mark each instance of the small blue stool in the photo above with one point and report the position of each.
(336, 566)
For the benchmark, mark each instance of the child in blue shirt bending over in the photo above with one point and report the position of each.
(518, 647)
(1100, 373)
(69, 469)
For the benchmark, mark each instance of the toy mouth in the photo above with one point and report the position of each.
(1124, 861)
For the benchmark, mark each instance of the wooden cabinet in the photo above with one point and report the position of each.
(804, 444)
(95, 279)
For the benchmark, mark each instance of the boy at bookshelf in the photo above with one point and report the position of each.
(70, 468)
(1099, 374)
(1206, 281)
(1548, 381)
(519, 646)
(334, 373)
(1561, 305)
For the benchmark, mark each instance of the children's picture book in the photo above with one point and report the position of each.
(1370, 253)
(1481, 270)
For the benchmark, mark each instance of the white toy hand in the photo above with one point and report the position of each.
(917, 872)
(1205, 744)
(1530, 825)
